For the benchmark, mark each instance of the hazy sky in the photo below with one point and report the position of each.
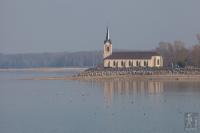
(76, 25)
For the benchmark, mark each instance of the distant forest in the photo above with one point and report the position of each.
(60, 59)
(174, 54)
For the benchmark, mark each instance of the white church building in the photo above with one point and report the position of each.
(129, 59)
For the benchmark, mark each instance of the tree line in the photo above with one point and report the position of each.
(174, 54)
(177, 54)
(60, 59)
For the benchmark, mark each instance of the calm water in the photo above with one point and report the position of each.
(112, 106)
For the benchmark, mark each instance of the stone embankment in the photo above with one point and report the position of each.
(132, 73)
(141, 73)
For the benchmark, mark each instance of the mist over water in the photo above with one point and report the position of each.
(110, 106)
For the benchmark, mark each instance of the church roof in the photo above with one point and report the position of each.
(133, 55)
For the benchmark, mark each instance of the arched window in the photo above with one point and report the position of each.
(122, 64)
(114, 63)
(109, 64)
(145, 63)
(108, 49)
(154, 62)
(137, 63)
(129, 63)
(158, 62)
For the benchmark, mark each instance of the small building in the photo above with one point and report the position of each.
(129, 59)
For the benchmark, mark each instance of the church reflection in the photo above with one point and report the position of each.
(120, 87)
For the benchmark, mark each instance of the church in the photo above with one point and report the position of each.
(129, 59)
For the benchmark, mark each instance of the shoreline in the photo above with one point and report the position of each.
(43, 69)
(177, 77)
(160, 74)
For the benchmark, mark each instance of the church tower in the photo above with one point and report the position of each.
(107, 51)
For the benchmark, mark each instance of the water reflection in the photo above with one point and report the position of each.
(130, 88)
(62, 106)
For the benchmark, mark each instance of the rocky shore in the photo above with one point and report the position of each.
(140, 73)
(165, 74)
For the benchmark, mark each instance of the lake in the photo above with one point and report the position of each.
(110, 106)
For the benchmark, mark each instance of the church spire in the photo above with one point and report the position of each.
(107, 36)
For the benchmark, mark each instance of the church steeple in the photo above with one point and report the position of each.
(107, 37)
(107, 45)
(107, 34)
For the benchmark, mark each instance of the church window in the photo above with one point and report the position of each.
(137, 63)
(145, 63)
(109, 64)
(122, 64)
(130, 63)
(158, 62)
(154, 62)
(107, 49)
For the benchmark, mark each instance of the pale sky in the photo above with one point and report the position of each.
(80, 25)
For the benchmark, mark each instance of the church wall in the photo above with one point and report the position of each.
(107, 53)
(153, 62)
(156, 61)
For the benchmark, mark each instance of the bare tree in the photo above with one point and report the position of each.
(198, 38)
(195, 54)
(175, 53)
(181, 54)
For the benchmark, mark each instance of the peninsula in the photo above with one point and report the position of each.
(141, 65)
(136, 65)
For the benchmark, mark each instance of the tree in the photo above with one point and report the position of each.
(175, 53)
(181, 54)
(198, 38)
(195, 55)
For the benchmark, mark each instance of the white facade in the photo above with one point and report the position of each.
(107, 49)
(155, 61)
